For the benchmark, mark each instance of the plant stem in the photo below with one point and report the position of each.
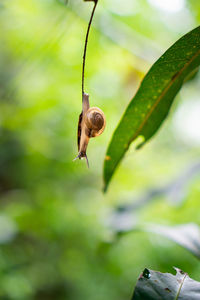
(85, 48)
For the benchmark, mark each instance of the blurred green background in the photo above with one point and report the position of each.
(55, 239)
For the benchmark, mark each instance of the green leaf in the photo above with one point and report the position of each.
(153, 285)
(152, 102)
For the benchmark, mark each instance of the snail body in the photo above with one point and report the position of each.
(91, 124)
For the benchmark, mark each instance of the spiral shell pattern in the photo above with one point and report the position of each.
(95, 121)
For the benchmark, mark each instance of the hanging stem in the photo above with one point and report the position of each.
(86, 42)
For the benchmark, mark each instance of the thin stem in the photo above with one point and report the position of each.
(85, 48)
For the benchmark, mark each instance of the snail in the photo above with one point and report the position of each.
(91, 123)
(92, 120)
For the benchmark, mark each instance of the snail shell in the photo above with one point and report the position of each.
(95, 121)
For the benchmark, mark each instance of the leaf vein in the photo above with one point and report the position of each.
(162, 95)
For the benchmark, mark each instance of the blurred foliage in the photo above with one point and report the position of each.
(54, 238)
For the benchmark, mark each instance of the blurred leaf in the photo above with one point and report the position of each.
(185, 235)
(153, 285)
(174, 191)
(152, 102)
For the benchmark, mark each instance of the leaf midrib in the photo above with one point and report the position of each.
(163, 94)
(180, 287)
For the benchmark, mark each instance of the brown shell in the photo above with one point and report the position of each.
(79, 130)
(95, 121)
